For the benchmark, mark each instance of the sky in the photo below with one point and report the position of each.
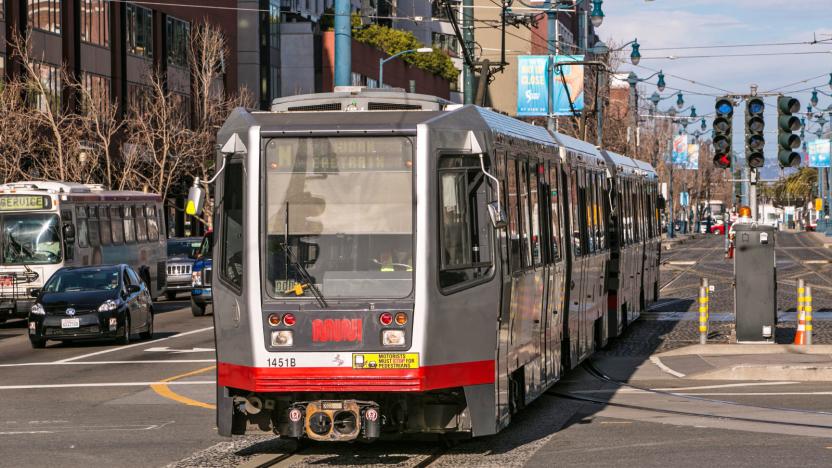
(665, 24)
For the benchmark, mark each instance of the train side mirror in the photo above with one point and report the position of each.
(34, 292)
(196, 200)
(498, 215)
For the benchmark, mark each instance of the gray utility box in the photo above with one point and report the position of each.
(755, 283)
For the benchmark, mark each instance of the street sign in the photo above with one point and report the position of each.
(818, 153)
(532, 85)
(818, 204)
(679, 155)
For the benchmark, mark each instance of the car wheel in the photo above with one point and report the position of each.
(146, 335)
(197, 310)
(125, 336)
(37, 343)
(170, 295)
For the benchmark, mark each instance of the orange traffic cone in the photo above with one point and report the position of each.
(800, 334)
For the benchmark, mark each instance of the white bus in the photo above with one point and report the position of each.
(45, 226)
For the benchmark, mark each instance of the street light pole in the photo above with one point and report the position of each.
(381, 62)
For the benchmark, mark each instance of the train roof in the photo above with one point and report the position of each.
(516, 128)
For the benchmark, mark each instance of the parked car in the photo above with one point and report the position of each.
(719, 228)
(201, 296)
(91, 302)
(181, 256)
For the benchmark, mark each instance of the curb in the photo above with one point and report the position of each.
(797, 372)
(740, 349)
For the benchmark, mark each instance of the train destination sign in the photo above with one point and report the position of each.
(24, 202)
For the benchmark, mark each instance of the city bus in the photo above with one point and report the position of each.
(45, 226)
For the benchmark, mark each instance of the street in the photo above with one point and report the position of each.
(151, 403)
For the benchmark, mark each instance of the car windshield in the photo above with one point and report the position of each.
(30, 239)
(182, 248)
(345, 207)
(99, 279)
(205, 245)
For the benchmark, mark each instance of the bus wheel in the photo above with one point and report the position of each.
(38, 343)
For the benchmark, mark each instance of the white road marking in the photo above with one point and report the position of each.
(707, 387)
(98, 363)
(126, 427)
(167, 349)
(141, 343)
(658, 362)
(106, 384)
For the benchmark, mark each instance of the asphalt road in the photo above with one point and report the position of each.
(150, 403)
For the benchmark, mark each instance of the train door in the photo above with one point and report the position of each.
(580, 250)
(588, 204)
(603, 259)
(556, 293)
(503, 337)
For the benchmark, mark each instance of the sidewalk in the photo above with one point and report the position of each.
(766, 362)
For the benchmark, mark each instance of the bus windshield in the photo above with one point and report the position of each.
(344, 205)
(30, 239)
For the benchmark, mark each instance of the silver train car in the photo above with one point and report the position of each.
(389, 263)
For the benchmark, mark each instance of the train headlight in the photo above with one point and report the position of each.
(282, 338)
(392, 337)
(196, 278)
(37, 309)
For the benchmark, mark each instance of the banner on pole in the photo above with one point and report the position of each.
(679, 154)
(818, 151)
(568, 85)
(693, 157)
(532, 85)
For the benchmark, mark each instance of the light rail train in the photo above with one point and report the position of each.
(389, 263)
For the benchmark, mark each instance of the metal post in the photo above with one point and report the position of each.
(670, 228)
(752, 194)
(552, 49)
(343, 43)
(381, 73)
(704, 319)
(801, 315)
(828, 201)
(807, 312)
(468, 37)
(599, 133)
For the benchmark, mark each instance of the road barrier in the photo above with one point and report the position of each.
(807, 312)
(800, 334)
(703, 311)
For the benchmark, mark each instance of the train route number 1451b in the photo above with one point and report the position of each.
(281, 362)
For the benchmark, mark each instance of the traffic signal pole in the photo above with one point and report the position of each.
(468, 37)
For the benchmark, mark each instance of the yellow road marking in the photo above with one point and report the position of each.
(165, 391)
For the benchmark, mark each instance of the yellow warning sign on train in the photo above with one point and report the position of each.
(385, 361)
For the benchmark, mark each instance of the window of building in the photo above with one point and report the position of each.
(464, 235)
(139, 30)
(274, 82)
(274, 24)
(50, 78)
(97, 88)
(446, 43)
(356, 79)
(45, 15)
(95, 22)
(231, 262)
(178, 34)
(182, 105)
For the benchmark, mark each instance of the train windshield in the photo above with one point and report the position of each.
(29, 239)
(344, 207)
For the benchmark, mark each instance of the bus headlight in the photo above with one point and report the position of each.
(196, 278)
(108, 306)
(392, 337)
(282, 338)
(37, 309)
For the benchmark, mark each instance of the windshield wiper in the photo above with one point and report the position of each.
(305, 276)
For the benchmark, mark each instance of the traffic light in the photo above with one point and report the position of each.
(787, 124)
(754, 127)
(722, 132)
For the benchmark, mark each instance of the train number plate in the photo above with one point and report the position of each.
(281, 362)
(385, 361)
(70, 323)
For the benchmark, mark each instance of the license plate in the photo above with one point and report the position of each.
(70, 323)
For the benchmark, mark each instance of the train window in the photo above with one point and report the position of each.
(152, 223)
(602, 211)
(92, 224)
(104, 223)
(129, 225)
(628, 212)
(575, 221)
(513, 216)
(592, 210)
(554, 196)
(81, 217)
(464, 240)
(534, 237)
(141, 224)
(118, 227)
(525, 210)
(501, 175)
(231, 263)
(636, 213)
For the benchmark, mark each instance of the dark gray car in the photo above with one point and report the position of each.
(181, 253)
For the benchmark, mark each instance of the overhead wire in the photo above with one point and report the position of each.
(729, 46)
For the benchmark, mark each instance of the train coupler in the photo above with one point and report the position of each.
(335, 420)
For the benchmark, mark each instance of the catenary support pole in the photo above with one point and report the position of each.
(468, 37)
(343, 43)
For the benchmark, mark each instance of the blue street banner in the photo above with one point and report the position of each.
(679, 155)
(818, 151)
(684, 198)
(532, 85)
(568, 77)
(693, 157)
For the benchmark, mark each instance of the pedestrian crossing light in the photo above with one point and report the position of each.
(722, 135)
(755, 124)
(787, 124)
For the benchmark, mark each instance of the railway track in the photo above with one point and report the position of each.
(305, 453)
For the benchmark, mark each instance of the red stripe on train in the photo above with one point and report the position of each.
(338, 379)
